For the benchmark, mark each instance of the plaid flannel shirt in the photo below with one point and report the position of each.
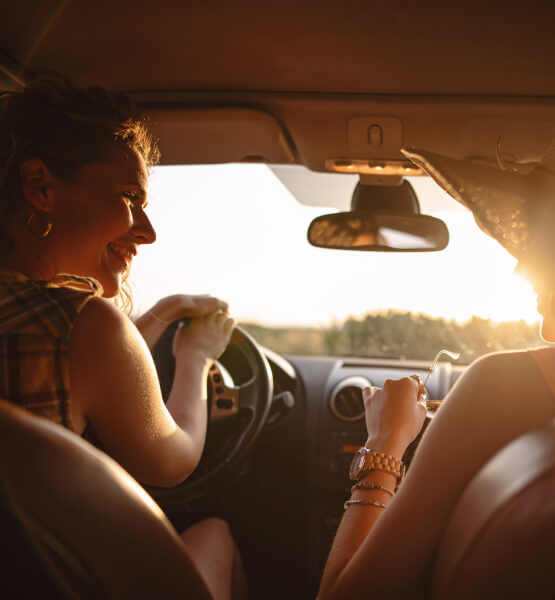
(36, 318)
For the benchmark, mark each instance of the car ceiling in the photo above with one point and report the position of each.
(289, 82)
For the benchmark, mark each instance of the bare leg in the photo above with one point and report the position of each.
(216, 556)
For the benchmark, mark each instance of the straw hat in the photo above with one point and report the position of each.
(517, 210)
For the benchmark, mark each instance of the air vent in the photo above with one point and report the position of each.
(346, 399)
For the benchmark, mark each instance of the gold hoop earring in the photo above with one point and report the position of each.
(40, 224)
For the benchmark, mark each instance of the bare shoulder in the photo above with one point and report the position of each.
(107, 357)
(505, 373)
(517, 358)
(102, 333)
(499, 397)
(101, 321)
(105, 340)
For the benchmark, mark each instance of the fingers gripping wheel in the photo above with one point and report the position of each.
(240, 389)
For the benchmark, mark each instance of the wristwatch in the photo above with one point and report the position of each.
(366, 460)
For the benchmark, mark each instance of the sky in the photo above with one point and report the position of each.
(236, 232)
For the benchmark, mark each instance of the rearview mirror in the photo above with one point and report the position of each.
(379, 232)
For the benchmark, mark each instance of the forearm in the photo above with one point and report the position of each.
(187, 399)
(339, 581)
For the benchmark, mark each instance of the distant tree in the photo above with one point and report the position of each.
(400, 335)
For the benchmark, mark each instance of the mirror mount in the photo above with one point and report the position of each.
(382, 180)
(397, 198)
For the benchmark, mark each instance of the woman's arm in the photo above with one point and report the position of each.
(195, 347)
(389, 554)
(394, 417)
(115, 386)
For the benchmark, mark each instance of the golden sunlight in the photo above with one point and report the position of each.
(236, 232)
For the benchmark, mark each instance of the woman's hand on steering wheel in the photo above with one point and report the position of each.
(207, 335)
(154, 322)
(179, 306)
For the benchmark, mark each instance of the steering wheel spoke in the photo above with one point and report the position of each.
(248, 397)
(224, 396)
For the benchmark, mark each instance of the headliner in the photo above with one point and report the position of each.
(301, 81)
(352, 46)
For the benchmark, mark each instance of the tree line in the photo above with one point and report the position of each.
(396, 334)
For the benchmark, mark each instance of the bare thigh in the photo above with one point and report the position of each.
(216, 556)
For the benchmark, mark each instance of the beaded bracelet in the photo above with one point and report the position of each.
(364, 503)
(364, 485)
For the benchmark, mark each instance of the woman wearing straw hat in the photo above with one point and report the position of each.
(386, 542)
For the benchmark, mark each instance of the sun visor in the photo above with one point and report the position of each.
(219, 135)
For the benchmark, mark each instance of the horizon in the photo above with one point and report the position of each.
(383, 312)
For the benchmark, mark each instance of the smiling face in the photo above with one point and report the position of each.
(99, 219)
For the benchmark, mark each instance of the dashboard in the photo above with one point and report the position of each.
(316, 424)
(284, 498)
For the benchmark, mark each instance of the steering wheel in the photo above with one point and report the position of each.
(240, 390)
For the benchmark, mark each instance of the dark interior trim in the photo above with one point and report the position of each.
(16, 73)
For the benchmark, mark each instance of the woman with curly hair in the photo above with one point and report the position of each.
(74, 170)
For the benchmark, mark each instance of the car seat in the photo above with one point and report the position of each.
(76, 525)
(500, 541)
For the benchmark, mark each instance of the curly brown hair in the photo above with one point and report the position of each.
(66, 128)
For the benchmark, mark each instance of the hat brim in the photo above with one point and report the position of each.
(467, 181)
(498, 199)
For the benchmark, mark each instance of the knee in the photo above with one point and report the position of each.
(217, 527)
(212, 535)
(217, 530)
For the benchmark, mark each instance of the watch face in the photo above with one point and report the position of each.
(357, 464)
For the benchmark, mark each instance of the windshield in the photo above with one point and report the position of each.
(237, 232)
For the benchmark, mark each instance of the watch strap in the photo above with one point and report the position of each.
(380, 461)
